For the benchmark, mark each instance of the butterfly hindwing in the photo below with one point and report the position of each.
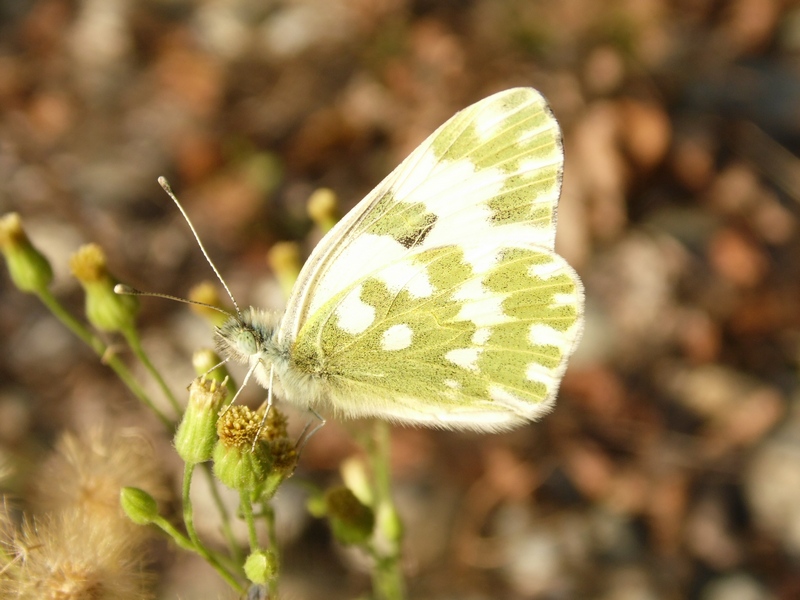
(471, 335)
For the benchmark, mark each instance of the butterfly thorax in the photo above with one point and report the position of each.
(251, 338)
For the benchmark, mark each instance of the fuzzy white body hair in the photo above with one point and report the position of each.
(252, 339)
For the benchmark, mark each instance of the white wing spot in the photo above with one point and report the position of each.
(416, 177)
(489, 123)
(481, 336)
(470, 290)
(538, 373)
(498, 394)
(532, 133)
(361, 256)
(528, 408)
(354, 315)
(564, 299)
(409, 277)
(484, 312)
(397, 337)
(466, 358)
(545, 270)
(544, 335)
(458, 184)
(533, 166)
(476, 256)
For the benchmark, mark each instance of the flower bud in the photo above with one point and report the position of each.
(351, 521)
(284, 259)
(30, 271)
(355, 477)
(389, 522)
(315, 504)
(105, 309)
(240, 463)
(261, 566)
(205, 360)
(140, 506)
(197, 431)
(323, 208)
(206, 293)
(282, 450)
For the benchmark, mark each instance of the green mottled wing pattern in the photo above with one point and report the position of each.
(468, 336)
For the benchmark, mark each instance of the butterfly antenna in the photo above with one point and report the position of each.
(126, 290)
(162, 181)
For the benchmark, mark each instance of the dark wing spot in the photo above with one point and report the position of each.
(417, 237)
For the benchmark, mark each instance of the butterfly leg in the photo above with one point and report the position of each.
(305, 436)
(247, 376)
(269, 404)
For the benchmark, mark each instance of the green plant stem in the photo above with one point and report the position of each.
(269, 519)
(101, 349)
(272, 535)
(249, 518)
(387, 578)
(387, 581)
(381, 455)
(188, 511)
(183, 542)
(225, 517)
(188, 520)
(136, 345)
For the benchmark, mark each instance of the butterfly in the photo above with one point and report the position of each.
(439, 299)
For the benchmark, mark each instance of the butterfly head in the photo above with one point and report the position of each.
(249, 336)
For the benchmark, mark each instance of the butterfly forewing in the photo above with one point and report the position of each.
(491, 173)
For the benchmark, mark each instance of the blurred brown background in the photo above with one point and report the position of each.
(670, 468)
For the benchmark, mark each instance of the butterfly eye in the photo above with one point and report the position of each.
(246, 342)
